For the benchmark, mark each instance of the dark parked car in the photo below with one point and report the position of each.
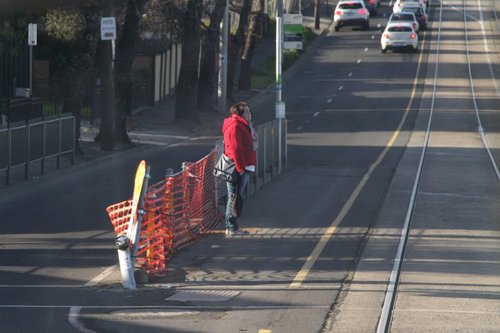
(371, 5)
(419, 15)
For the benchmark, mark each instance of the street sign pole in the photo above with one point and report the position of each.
(31, 72)
(280, 105)
(32, 41)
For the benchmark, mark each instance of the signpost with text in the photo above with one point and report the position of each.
(292, 31)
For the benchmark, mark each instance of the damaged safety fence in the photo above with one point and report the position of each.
(177, 211)
(183, 207)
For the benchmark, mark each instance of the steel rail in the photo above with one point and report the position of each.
(390, 296)
(484, 139)
(386, 314)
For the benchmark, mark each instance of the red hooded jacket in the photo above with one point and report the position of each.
(238, 142)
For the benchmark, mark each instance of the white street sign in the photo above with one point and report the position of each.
(108, 28)
(32, 34)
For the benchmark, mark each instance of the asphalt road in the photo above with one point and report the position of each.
(309, 227)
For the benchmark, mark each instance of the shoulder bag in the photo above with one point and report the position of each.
(225, 169)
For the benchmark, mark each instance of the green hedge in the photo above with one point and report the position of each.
(264, 74)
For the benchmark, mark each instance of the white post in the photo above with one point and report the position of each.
(222, 88)
(126, 262)
(31, 72)
(280, 105)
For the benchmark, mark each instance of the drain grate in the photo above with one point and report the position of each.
(203, 295)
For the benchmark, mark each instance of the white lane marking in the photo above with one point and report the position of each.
(317, 96)
(329, 100)
(316, 114)
(187, 307)
(300, 128)
(359, 61)
(366, 49)
(41, 286)
(74, 319)
(155, 314)
(341, 87)
(350, 74)
(373, 36)
(74, 311)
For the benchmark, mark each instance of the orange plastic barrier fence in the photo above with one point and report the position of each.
(178, 210)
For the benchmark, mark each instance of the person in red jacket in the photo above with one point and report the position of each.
(238, 145)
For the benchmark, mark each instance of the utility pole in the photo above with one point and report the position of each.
(222, 86)
(280, 105)
(279, 54)
(32, 41)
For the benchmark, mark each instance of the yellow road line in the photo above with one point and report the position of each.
(313, 257)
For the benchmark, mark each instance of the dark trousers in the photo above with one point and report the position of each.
(234, 203)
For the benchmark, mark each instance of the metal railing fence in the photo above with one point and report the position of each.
(268, 157)
(36, 140)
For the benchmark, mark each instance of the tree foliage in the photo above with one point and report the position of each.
(78, 57)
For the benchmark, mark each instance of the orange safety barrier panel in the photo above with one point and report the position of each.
(178, 210)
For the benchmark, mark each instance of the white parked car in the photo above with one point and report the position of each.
(351, 13)
(399, 36)
(400, 3)
(404, 17)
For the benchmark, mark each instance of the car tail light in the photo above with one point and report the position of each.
(372, 2)
(413, 36)
(362, 11)
(339, 12)
(388, 36)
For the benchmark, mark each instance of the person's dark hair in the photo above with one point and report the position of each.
(238, 108)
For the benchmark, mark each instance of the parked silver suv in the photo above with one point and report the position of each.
(351, 13)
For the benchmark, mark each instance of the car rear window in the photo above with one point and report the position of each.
(414, 9)
(399, 29)
(350, 5)
(402, 17)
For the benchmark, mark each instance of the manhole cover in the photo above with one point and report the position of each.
(203, 295)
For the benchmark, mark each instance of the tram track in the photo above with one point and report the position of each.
(390, 300)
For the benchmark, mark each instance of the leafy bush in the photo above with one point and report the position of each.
(265, 73)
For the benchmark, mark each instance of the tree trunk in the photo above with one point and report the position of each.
(316, 14)
(255, 25)
(235, 46)
(125, 55)
(208, 67)
(187, 87)
(87, 72)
